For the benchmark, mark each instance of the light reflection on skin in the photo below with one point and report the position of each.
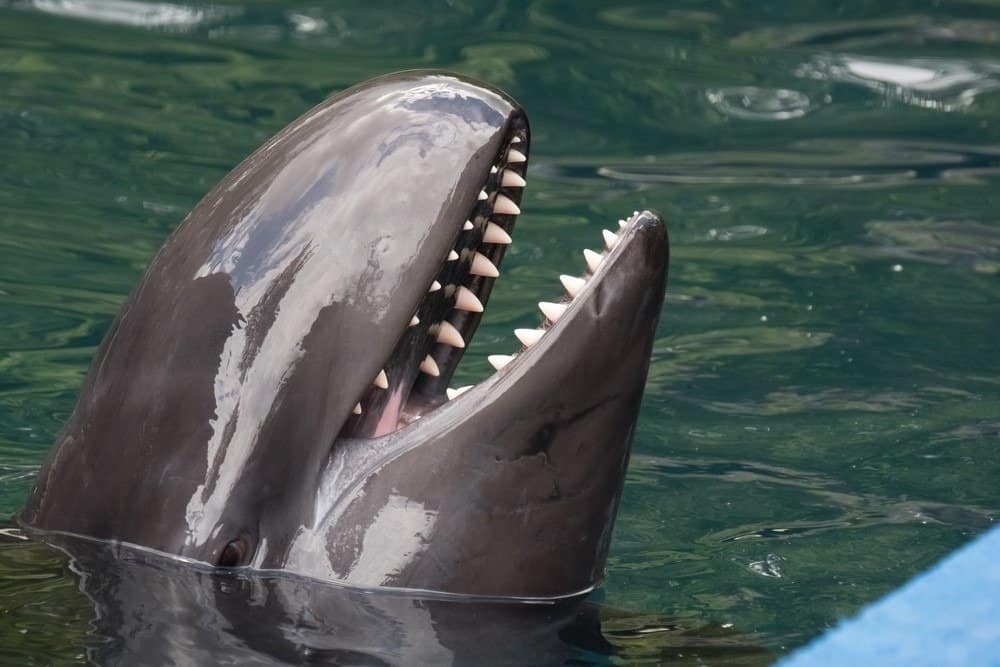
(304, 212)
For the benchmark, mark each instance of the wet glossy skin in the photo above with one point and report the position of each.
(211, 413)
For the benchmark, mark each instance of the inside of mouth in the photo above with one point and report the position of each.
(415, 378)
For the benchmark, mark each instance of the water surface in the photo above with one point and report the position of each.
(822, 417)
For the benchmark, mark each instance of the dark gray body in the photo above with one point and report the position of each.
(219, 406)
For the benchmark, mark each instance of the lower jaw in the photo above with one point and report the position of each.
(397, 408)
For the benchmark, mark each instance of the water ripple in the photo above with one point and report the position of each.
(930, 83)
(754, 103)
(838, 163)
(871, 33)
(160, 15)
(960, 243)
(853, 510)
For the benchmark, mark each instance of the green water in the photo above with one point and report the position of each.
(822, 416)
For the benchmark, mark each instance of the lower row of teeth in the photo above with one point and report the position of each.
(467, 300)
(552, 311)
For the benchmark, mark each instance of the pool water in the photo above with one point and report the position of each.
(822, 416)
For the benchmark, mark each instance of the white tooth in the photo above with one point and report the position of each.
(483, 196)
(449, 335)
(381, 380)
(512, 179)
(357, 409)
(622, 224)
(593, 259)
(467, 226)
(498, 361)
(454, 393)
(435, 286)
(529, 336)
(414, 321)
(610, 239)
(452, 256)
(515, 140)
(481, 266)
(572, 284)
(467, 301)
(494, 169)
(495, 234)
(429, 366)
(504, 206)
(514, 156)
(552, 311)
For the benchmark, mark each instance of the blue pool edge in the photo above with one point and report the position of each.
(948, 615)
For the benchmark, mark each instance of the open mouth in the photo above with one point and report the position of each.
(416, 376)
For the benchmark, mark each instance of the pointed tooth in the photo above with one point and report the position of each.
(481, 266)
(483, 196)
(505, 206)
(435, 286)
(515, 140)
(622, 224)
(572, 284)
(610, 239)
(512, 179)
(529, 336)
(498, 361)
(381, 380)
(429, 366)
(414, 321)
(357, 409)
(514, 156)
(552, 311)
(449, 335)
(593, 259)
(467, 301)
(452, 256)
(494, 169)
(454, 393)
(467, 226)
(495, 234)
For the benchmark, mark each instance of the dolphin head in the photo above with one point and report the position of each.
(275, 392)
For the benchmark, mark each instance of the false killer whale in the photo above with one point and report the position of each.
(275, 391)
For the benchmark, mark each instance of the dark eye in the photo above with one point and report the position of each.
(234, 553)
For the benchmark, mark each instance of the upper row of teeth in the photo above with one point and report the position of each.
(465, 299)
(553, 311)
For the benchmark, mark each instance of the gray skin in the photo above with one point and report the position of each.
(216, 422)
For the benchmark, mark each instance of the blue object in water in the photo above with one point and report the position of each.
(949, 615)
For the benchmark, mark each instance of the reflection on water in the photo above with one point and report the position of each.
(823, 395)
(945, 85)
(119, 606)
(129, 12)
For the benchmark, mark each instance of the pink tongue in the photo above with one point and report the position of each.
(388, 421)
